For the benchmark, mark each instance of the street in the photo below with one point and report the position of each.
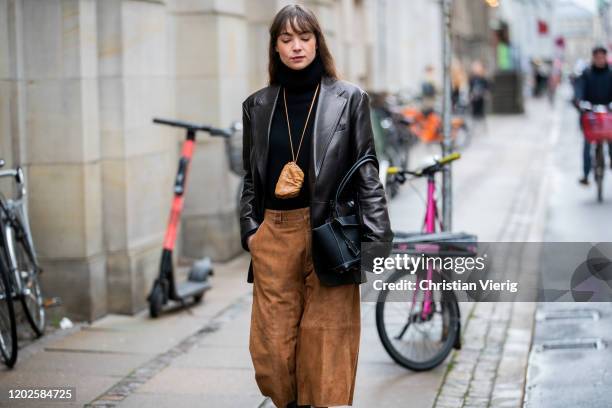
(517, 183)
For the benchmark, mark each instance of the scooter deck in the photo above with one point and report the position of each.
(190, 288)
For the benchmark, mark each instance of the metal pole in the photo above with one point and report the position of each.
(447, 192)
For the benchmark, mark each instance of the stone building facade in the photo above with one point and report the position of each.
(80, 81)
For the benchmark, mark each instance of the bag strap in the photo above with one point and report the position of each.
(349, 174)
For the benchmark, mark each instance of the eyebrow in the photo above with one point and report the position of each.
(300, 33)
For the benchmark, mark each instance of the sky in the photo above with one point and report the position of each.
(588, 4)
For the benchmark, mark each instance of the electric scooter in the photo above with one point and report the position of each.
(165, 287)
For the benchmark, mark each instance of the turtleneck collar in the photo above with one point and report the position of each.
(300, 80)
(599, 69)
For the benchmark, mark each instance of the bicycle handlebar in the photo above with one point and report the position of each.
(449, 158)
(213, 131)
(430, 169)
(8, 173)
(19, 177)
(586, 106)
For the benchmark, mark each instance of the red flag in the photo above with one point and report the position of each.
(560, 42)
(542, 27)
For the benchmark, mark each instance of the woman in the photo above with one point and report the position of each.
(305, 322)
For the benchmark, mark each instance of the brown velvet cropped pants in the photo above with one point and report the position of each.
(304, 339)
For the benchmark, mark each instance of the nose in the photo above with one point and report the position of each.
(296, 45)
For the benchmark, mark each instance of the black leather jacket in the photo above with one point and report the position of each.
(342, 132)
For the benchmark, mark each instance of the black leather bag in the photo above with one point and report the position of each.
(338, 240)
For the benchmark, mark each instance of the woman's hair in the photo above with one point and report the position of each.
(302, 20)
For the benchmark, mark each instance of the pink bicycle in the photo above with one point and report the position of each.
(420, 327)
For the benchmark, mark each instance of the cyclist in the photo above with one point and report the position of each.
(594, 86)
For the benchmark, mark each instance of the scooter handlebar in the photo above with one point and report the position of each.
(219, 132)
(213, 131)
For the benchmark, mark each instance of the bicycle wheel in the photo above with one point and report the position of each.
(599, 170)
(31, 293)
(8, 324)
(416, 340)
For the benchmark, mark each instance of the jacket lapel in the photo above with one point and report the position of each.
(265, 109)
(329, 109)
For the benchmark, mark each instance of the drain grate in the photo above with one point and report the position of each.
(581, 314)
(572, 344)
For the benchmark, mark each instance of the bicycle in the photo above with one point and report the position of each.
(596, 121)
(394, 140)
(421, 336)
(20, 268)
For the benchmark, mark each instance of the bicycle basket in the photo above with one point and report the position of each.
(597, 126)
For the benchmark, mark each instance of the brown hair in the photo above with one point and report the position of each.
(302, 20)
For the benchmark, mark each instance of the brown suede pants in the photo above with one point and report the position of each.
(304, 339)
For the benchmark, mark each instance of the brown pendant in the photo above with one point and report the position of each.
(290, 181)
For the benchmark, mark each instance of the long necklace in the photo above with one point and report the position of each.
(295, 156)
(291, 177)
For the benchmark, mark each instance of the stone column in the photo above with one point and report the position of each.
(58, 85)
(260, 15)
(210, 43)
(9, 103)
(138, 159)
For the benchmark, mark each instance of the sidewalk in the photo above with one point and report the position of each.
(571, 338)
(94, 358)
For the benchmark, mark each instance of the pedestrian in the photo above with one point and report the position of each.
(429, 90)
(478, 91)
(458, 83)
(305, 129)
(594, 86)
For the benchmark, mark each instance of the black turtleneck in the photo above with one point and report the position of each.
(300, 86)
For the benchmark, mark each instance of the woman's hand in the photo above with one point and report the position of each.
(249, 241)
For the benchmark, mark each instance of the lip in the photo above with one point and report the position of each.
(297, 58)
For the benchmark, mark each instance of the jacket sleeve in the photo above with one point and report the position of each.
(372, 200)
(248, 219)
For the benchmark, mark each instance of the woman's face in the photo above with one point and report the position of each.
(296, 50)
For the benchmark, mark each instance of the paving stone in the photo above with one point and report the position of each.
(499, 394)
(455, 389)
(453, 392)
(456, 376)
(454, 402)
(506, 403)
(482, 385)
(476, 400)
